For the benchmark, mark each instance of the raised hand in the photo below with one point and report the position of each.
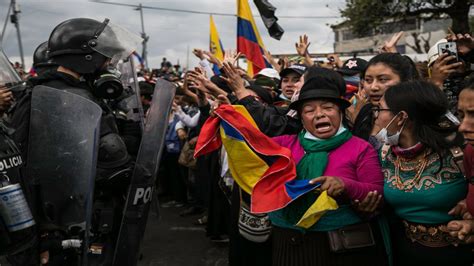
(271, 60)
(199, 53)
(302, 45)
(213, 59)
(390, 46)
(234, 80)
(443, 67)
(335, 59)
(231, 56)
(465, 43)
(284, 62)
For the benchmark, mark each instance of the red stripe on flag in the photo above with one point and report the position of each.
(252, 51)
(209, 139)
(269, 193)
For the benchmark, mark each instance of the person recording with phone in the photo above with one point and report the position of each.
(449, 62)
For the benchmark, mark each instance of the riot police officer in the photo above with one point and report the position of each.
(41, 62)
(17, 226)
(85, 52)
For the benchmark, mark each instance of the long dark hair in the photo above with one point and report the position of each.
(402, 65)
(426, 106)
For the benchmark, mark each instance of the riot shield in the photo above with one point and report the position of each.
(133, 104)
(8, 76)
(140, 193)
(62, 156)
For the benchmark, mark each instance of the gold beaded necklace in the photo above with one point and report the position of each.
(408, 185)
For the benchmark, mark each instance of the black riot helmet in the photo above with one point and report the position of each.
(85, 45)
(40, 56)
(41, 61)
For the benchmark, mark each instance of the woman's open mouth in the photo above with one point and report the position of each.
(323, 127)
(375, 97)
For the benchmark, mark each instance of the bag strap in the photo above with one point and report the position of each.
(458, 158)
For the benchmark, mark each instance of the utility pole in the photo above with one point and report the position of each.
(144, 36)
(14, 19)
(6, 23)
(187, 57)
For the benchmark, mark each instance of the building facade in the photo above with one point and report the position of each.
(419, 36)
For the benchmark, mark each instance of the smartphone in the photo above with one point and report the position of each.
(450, 48)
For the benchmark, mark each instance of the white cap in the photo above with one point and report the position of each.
(269, 72)
(433, 52)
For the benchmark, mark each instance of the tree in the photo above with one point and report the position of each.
(418, 47)
(364, 16)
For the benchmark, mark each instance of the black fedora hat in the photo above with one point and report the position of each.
(322, 84)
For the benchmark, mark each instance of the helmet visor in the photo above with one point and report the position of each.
(8, 76)
(115, 42)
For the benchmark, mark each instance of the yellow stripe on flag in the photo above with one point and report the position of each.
(244, 11)
(322, 204)
(245, 166)
(215, 44)
(243, 111)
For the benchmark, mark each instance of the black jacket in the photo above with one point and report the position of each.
(271, 120)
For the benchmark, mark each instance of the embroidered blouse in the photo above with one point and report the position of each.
(423, 196)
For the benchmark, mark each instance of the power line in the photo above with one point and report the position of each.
(203, 12)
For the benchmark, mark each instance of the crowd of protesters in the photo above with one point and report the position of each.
(392, 143)
(389, 139)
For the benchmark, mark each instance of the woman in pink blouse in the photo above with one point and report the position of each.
(347, 168)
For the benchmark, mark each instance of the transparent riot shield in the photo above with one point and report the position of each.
(140, 193)
(132, 105)
(62, 156)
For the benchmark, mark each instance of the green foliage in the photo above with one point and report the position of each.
(362, 13)
(366, 16)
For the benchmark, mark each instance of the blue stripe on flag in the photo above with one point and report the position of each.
(245, 29)
(231, 132)
(216, 70)
(296, 188)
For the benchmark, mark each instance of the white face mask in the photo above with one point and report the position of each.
(392, 140)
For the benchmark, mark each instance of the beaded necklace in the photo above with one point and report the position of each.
(408, 165)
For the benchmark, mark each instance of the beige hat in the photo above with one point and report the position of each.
(433, 52)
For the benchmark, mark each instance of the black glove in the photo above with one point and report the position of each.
(51, 241)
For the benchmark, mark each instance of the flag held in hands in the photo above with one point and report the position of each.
(260, 166)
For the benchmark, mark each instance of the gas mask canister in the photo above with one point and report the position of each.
(107, 84)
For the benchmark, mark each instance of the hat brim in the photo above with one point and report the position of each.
(287, 71)
(343, 103)
(348, 72)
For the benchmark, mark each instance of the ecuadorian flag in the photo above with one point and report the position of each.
(249, 42)
(258, 164)
(215, 45)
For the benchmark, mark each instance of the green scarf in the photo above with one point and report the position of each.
(312, 165)
(315, 160)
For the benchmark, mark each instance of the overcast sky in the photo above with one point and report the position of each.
(171, 33)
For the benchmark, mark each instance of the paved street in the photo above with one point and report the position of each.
(172, 240)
